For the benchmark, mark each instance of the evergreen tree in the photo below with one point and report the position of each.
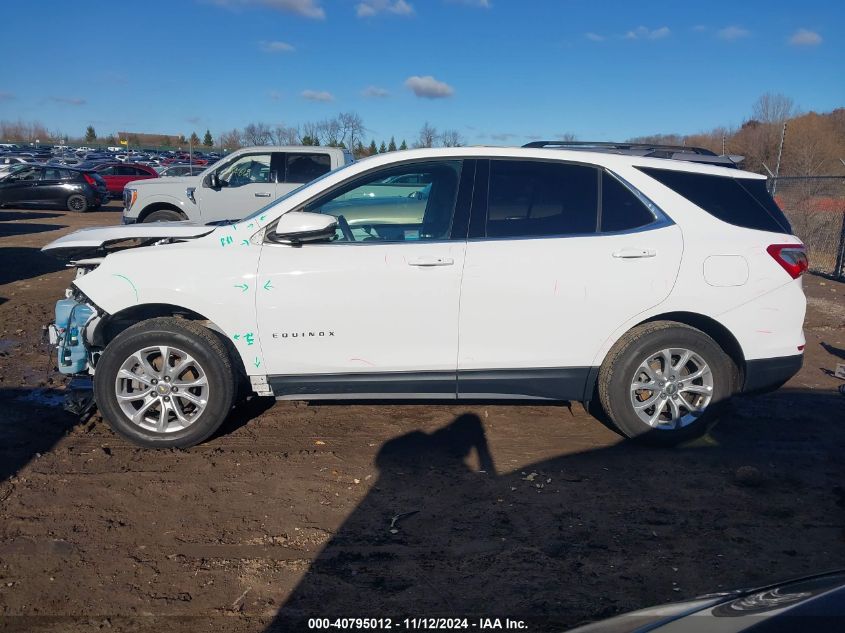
(372, 149)
(404, 145)
(207, 140)
(90, 134)
(195, 140)
(391, 147)
(382, 149)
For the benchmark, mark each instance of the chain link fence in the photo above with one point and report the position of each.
(815, 206)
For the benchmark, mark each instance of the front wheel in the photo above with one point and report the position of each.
(165, 383)
(164, 215)
(664, 382)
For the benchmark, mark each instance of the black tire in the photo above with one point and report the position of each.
(77, 202)
(621, 367)
(202, 345)
(164, 215)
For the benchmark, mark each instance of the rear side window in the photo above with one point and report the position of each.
(302, 168)
(739, 201)
(621, 210)
(536, 199)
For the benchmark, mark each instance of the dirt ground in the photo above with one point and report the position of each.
(534, 512)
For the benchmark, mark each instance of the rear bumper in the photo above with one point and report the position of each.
(767, 374)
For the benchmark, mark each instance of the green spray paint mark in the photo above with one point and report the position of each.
(129, 281)
(257, 362)
(236, 336)
(243, 287)
(244, 242)
(268, 285)
(225, 241)
(261, 219)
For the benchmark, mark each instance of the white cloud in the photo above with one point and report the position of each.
(732, 33)
(428, 87)
(643, 33)
(479, 4)
(276, 47)
(375, 92)
(805, 37)
(317, 95)
(374, 7)
(594, 37)
(74, 101)
(305, 8)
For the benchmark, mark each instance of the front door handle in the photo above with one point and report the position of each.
(634, 253)
(263, 194)
(431, 261)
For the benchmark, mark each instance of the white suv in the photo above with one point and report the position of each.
(655, 288)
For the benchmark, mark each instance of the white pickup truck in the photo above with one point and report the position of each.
(232, 188)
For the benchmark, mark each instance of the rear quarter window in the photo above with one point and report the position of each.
(739, 201)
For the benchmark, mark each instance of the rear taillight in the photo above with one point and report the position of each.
(791, 257)
(90, 179)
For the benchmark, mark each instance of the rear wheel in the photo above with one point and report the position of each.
(165, 383)
(164, 215)
(78, 203)
(664, 382)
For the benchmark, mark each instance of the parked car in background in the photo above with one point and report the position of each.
(49, 186)
(181, 170)
(118, 175)
(7, 162)
(654, 287)
(232, 188)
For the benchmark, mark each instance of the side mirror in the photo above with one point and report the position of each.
(297, 227)
(214, 180)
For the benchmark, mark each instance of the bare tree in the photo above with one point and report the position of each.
(428, 136)
(309, 134)
(230, 139)
(567, 137)
(773, 108)
(257, 134)
(451, 138)
(284, 135)
(329, 132)
(351, 128)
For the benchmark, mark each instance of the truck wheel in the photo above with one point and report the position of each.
(164, 215)
(165, 383)
(78, 203)
(665, 382)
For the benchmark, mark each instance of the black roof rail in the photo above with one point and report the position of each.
(646, 150)
(601, 145)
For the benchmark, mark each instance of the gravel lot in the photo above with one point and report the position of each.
(534, 512)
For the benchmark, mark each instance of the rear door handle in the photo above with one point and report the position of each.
(634, 253)
(431, 261)
(263, 194)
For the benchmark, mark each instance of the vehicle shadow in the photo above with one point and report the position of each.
(9, 216)
(21, 263)
(585, 535)
(32, 422)
(8, 229)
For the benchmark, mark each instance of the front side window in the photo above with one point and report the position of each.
(51, 173)
(246, 170)
(303, 168)
(382, 207)
(25, 174)
(535, 199)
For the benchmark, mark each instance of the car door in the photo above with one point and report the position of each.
(51, 187)
(19, 186)
(374, 310)
(560, 255)
(247, 183)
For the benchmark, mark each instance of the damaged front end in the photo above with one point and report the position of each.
(72, 334)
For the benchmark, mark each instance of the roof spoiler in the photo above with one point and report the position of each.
(647, 150)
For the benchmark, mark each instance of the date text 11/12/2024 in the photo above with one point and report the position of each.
(416, 624)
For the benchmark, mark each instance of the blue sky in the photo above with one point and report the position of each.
(498, 71)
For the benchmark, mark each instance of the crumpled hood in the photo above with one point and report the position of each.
(96, 240)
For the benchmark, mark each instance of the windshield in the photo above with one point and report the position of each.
(269, 206)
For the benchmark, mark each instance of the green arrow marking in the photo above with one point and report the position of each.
(236, 336)
(268, 285)
(243, 287)
(244, 242)
(261, 219)
(257, 362)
